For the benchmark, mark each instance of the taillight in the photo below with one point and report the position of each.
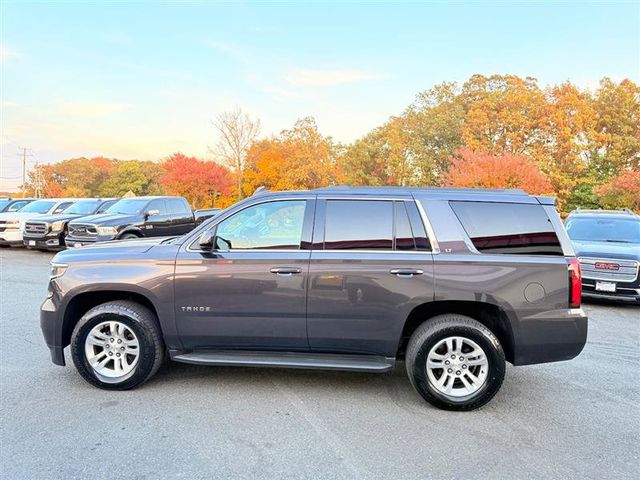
(575, 283)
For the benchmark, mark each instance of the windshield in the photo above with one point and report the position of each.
(83, 207)
(620, 230)
(4, 203)
(39, 206)
(128, 206)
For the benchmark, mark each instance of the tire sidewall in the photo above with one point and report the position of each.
(146, 357)
(492, 383)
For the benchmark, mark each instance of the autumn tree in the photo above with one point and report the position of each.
(622, 191)
(75, 177)
(193, 179)
(299, 158)
(139, 177)
(485, 170)
(237, 132)
(617, 117)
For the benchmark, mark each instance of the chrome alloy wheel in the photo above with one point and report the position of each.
(457, 367)
(112, 350)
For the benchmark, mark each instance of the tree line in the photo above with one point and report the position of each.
(502, 131)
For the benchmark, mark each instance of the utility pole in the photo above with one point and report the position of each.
(24, 169)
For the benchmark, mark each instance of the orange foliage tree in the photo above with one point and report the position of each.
(622, 191)
(193, 178)
(484, 170)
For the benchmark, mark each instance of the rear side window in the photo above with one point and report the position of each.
(508, 228)
(358, 225)
(159, 205)
(177, 206)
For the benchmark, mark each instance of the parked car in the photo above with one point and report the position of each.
(607, 243)
(48, 232)
(12, 223)
(135, 217)
(452, 281)
(8, 204)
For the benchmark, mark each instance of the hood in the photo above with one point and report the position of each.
(114, 250)
(109, 219)
(58, 217)
(627, 251)
(23, 216)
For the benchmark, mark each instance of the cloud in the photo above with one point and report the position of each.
(7, 53)
(327, 78)
(93, 109)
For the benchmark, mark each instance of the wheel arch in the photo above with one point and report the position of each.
(131, 230)
(491, 316)
(85, 301)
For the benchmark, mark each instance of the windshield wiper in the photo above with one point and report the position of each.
(619, 241)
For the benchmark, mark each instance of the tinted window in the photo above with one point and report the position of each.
(604, 229)
(508, 228)
(177, 206)
(404, 234)
(358, 224)
(105, 206)
(128, 206)
(272, 225)
(158, 205)
(39, 206)
(62, 207)
(16, 206)
(83, 207)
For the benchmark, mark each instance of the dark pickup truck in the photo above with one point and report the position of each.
(48, 232)
(137, 217)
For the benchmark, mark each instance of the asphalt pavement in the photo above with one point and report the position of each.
(575, 419)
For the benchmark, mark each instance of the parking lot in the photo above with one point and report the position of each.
(577, 419)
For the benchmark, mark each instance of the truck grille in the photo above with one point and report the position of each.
(609, 269)
(36, 228)
(82, 230)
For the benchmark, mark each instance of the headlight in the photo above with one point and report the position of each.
(57, 226)
(107, 231)
(57, 270)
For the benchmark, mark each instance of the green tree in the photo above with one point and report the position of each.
(140, 177)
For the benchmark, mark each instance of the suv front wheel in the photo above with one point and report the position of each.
(117, 345)
(455, 362)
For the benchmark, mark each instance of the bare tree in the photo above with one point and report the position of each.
(237, 132)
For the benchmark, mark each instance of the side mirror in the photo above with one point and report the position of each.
(207, 240)
(152, 213)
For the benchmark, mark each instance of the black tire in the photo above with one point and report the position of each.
(141, 321)
(433, 331)
(128, 236)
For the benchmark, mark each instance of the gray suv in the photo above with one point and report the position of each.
(454, 282)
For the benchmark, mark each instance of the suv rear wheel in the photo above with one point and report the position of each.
(117, 345)
(455, 362)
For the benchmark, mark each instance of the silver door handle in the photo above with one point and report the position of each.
(405, 272)
(288, 271)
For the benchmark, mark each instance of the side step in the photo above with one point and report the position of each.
(318, 361)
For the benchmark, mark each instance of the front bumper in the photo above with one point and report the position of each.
(50, 324)
(11, 237)
(52, 241)
(82, 241)
(551, 336)
(624, 290)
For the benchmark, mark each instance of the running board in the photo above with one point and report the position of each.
(319, 361)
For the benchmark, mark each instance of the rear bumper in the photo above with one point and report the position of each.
(551, 336)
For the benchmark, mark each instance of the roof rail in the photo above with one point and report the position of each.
(622, 211)
(259, 190)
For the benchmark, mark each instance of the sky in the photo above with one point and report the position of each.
(133, 79)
